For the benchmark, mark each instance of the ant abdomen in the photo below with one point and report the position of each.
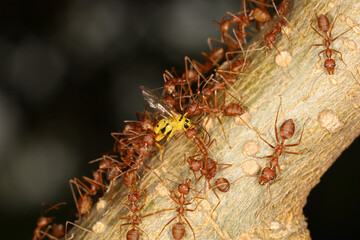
(178, 231)
(287, 129)
(132, 234)
(323, 23)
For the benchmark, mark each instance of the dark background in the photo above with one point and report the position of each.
(69, 75)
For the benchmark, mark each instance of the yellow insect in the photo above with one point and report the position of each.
(172, 121)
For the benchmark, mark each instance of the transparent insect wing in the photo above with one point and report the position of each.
(157, 103)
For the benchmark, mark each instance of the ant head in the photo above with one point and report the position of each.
(190, 133)
(134, 196)
(270, 39)
(195, 165)
(193, 109)
(330, 65)
(43, 221)
(206, 93)
(184, 188)
(169, 87)
(266, 175)
(146, 124)
(287, 129)
(149, 139)
(225, 26)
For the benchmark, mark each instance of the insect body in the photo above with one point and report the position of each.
(172, 121)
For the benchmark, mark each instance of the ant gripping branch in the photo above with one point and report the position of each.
(287, 130)
(329, 63)
(133, 198)
(208, 169)
(178, 230)
(45, 221)
(84, 203)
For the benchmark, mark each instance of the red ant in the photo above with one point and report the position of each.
(287, 130)
(282, 10)
(84, 203)
(178, 230)
(58, 230)
(191, 134)
(45, 221)
(208, 169)
(212, 60)
(133, 197)
(232, 109)
(329, 63)
(242, 21)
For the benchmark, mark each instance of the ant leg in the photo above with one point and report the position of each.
(154, 213)
(222, 127)
(341, 58)
(142, 232)
(210, 59)
(340, 35)
(192, 210)
(165, 226)
(295, 153)
(45, 234)
(269, 156)
(308, 95)
(333, 23)
(209, 40)
(196, 197)
(276, 119)
(56, 207)
(264, 139)
(313, 45)
(188, 223)
(72, 236)
(221, 169)
(266, 203)
(320, 56)
(187, 59)
(279, 171)
(293, 27)
(217, 196)
(174, 177)
(125, 224)
(287, 36)
(71, 182)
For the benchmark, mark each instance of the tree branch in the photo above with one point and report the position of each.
(236, 215)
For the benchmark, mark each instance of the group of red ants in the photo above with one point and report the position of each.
(194, 94)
